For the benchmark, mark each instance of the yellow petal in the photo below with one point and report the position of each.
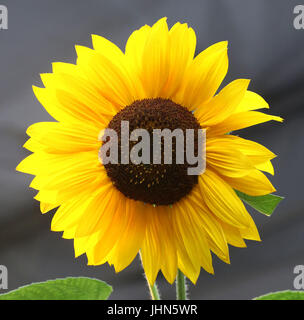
(251, 101)
(83, 91)
(131, 239)
(233, 235)
(99, 212)
(69, 233)
(155, 59)
(204, 256)
(48, 196)
(82, 245)
(222, 200)
(123, 64)
(255, 183)
(194, 238)
(47, 98)
(34, 146)
(110, 78)
(166, 236)
(188, 248)
(254, 151)
(135, 47)
(46, 207)
(266, 166)
(239, 121)
(64, 107)
(150, 251)
(107, 48)
(250, 233)
(109, 236)
(227, 160)
(63, 175)
(233, 156)
(66, 68)
(204, 76)
(30, 164)
(222, 105)
(207, 221)
(67, 171)
(55, 137)
(68, 214)
(181, 49)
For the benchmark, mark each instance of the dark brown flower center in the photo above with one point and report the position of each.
(159, 184)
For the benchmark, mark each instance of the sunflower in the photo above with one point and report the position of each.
(114, 212)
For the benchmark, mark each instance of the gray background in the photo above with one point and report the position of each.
(263, 46)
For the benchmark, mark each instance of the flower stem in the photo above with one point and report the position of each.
(181, 288)
(153, 291)
(152, 288)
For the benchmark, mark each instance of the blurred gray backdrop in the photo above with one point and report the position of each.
(263, 46)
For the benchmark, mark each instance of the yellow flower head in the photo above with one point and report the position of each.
(115, 212)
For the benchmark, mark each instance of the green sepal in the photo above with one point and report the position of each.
(264, 204)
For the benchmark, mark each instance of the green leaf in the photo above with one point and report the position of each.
(264, 204)
(283, 295)
(61, 289)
